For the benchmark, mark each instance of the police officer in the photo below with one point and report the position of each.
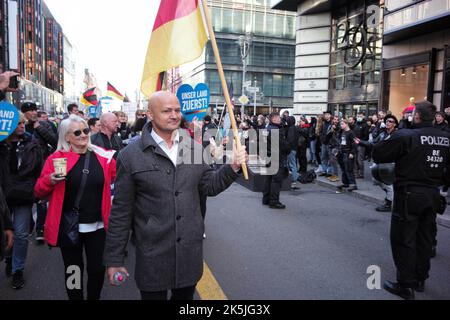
(421, 155)
(273, 183)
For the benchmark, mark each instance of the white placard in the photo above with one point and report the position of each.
(12, 36)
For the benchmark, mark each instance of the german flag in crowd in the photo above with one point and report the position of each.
(113, 92)
(178, 37)
(89, 98)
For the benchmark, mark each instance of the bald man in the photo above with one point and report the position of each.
(158, 197)
(108, 138)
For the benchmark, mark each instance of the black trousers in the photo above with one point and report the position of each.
(186, 294)
(413, 230)
(93, 244)
(272, 186)
(302, 160)
(347, 165)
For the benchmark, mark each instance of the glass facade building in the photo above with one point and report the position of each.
(355, 57)
(270, 63)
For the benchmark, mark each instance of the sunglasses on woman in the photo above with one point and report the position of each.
(390, 121)
(78, 133)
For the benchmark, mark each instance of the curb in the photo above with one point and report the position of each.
(442, 220)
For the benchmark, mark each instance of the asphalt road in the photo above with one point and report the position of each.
(319, 248)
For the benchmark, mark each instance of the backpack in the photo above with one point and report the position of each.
(307, 177)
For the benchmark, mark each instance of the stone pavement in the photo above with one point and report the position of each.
(369, 192)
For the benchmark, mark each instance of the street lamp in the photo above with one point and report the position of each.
(245, 43)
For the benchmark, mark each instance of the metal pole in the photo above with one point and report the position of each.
(254, 96)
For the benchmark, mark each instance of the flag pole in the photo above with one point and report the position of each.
(223, 81)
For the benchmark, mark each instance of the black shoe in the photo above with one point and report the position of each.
(265, 203)
(352, 188)
(323, 174)
(420, 286)
(8, 268)
(384, 208)
(399, 290)
(278, 205)
(433, 252)
(40, 236)
(18, 281)
(343, 186)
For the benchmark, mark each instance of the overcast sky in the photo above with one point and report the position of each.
(110, 35)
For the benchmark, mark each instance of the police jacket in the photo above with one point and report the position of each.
(421, 155)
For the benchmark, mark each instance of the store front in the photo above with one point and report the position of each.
(408, 77)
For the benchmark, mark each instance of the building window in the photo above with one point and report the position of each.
(405, 83)
(356, 48)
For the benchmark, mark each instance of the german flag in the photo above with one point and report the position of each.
(178, 37)
(114, 93)
(89, 98)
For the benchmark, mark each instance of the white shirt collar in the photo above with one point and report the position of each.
(160, 141)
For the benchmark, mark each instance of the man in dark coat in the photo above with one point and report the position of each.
(158, 188)
(6, 229)
(108, 138)
(273, 182)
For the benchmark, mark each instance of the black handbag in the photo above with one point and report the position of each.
(68, 236)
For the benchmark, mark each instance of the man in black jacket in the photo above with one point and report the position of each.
(273, 183)
(361, 131)
(6, 229)
(47, 138)
(108, 138)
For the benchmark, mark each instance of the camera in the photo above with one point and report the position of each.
(14, 82)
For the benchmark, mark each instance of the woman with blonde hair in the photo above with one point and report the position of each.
(78, 213)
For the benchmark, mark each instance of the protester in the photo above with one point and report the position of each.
(440, 122)
(157, 195)
(25, 160)
(124, 130)
(94, 125)
(72, 109)
(346, 156)
(6, 229)
(70, 195)
(334, 140)
(273, 183)
(302, 145)
(324, 135)
(313, 142)
(361, 131)
(107, 138)
(293, 134)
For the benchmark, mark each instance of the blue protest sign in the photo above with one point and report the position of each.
(92, 111)
(9, 119)
(194, 102)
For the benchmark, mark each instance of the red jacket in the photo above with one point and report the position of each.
(44, 189)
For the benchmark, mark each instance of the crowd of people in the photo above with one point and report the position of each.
(139, 167)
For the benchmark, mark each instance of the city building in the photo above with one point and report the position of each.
(73, 74)
(268, 39)
(368, 55)
(416, 54)
(31, 43)
(53, 58)
(338, 55)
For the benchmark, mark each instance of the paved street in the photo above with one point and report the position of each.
(319, 248)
